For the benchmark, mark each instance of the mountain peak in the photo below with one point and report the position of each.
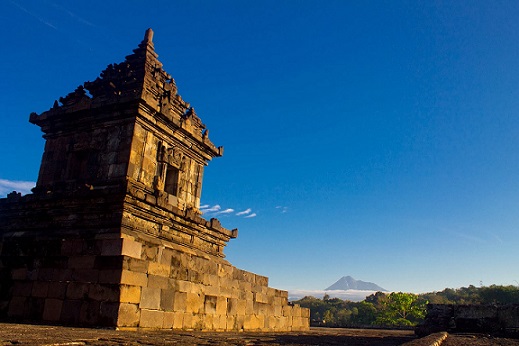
(348, 283)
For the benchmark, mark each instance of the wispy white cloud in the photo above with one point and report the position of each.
(216, 210)
(245, 212)
(209, 209)
(282, 209)
(39, 18)
(226, 211)
(8, 186)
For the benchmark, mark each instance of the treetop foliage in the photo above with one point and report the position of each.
(398, 309)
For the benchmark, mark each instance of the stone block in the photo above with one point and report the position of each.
(17, 306)
(19, 274)
(169, 319)
(134, 278)
(155, 268)
(121, 246)
(220, 322)
(57, 290)
(232, 306)
(260, 308)
(282, 294)
(82, 262)
(262, 280)
(178, 320)
(287, 311)
(296, 310)
(23, 288)
(187, 321)
(104, 292)
(260, 298)
(180, 301)
(221, 306)
(149, 253)
(254, 322)
(71, 247)
(128, 315)
(151, 318)
(210, 303)
(249, 307)
(211, 290)
(198, 322)
(155, 281)
(89, 313)
(52, 309)
(211, 280)
(110, 276)
(167, 298)
(85, 275)
(208, 322)
(131, 248)
(109, 262)
(70, 311)
(40, 289)
(230, 323)
(271, 292)
(194, 303)
(130, 294)
(278, 310)
(245, 286)
(111, 247)
(297, 322)
(165, 256)
(150, 298)
(305, 312)
(184, 286)
(77, 290)
(136, 265)
(108, 313)
(241, 307)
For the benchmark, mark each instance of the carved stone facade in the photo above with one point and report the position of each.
(112, 234)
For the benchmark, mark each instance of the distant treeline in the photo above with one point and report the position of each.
(397, 309)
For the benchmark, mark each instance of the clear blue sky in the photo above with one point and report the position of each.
(377, 139)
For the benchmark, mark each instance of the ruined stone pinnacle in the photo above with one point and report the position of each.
(148, 36)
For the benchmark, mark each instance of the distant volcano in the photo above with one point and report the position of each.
(348, 283)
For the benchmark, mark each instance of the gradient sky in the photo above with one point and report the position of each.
(376, 139)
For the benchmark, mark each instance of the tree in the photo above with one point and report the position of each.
(402, 309)
(328, 318)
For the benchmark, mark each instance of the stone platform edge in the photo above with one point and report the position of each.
(435, 339)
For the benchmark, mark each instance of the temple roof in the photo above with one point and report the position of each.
(139, 77)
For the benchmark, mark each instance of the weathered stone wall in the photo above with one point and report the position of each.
(57, 257)
(153, 153)
(494, 319)
(169, 287)
(90, 154)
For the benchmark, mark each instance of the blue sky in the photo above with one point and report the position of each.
(376, 139)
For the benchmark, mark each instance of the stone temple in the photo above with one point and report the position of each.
(112, 234)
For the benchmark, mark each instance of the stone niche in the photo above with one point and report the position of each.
(112, 234)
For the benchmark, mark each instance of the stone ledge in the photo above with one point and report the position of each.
(435, 339)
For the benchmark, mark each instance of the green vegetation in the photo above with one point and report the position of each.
(397, 309)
